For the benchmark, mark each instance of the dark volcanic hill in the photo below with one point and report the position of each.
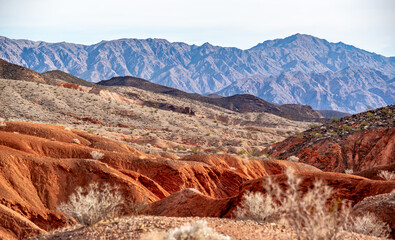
(238, 103)
(208, 69)
(16, 72)
(68, 78)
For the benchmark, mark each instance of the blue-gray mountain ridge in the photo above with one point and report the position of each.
(298, 69)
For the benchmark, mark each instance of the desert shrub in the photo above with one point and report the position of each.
(348, 171)
(316, 134)
(195, 150)
(364, 123)
(335, 119)
(293, 158)
(370, 115)
(346, 128)
(386, 175)
(137, 207)
(94, 204)
(257, 207)
(197, 231)
(97, 155)
(308, 214)
(368, 224)
(242, 152)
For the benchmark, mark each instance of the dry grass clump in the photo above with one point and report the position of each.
(349, 171)
(94, 204)
(386, 175)
(307, 213)
(97, 155)
(293, 158)
(197, 231)
(368, 224)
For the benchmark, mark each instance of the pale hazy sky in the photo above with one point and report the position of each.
(367, 24)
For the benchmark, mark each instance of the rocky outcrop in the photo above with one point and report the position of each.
(98, 91)
(357, 142)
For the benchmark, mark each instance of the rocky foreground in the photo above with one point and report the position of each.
(41, 166)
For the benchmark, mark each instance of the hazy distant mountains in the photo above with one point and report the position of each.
(352, 89)
(330, 75)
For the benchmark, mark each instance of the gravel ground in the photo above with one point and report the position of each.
(155, 228)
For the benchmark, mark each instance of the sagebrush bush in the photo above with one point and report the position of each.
(368, 224)
(97, 155)
(386, 175)
(197, 231)
(309, 213)
(94, 204)
(349, 171)
(293, 158)
(256, 206)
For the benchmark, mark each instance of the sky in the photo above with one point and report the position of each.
(366, 24)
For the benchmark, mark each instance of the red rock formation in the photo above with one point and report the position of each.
(193, 203)
(358, 151)
(41, 165)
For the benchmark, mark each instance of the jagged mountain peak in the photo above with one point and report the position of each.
(301, 40)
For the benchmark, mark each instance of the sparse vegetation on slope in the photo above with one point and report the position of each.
(94, 204)
(309, 214)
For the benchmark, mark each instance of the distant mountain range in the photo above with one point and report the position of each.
(328, 75)
(352, 89)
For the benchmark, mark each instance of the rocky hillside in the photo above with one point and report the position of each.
(16, 72)
(207, 68)
(154, 123)
(240, 103)
(358, 142)
(67, 78)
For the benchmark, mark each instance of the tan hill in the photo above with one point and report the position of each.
(358, 142)
(239, 103)
(121, 113)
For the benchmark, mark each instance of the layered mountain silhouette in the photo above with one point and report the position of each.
(239, 102)
(209, 69)
(352, 89)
